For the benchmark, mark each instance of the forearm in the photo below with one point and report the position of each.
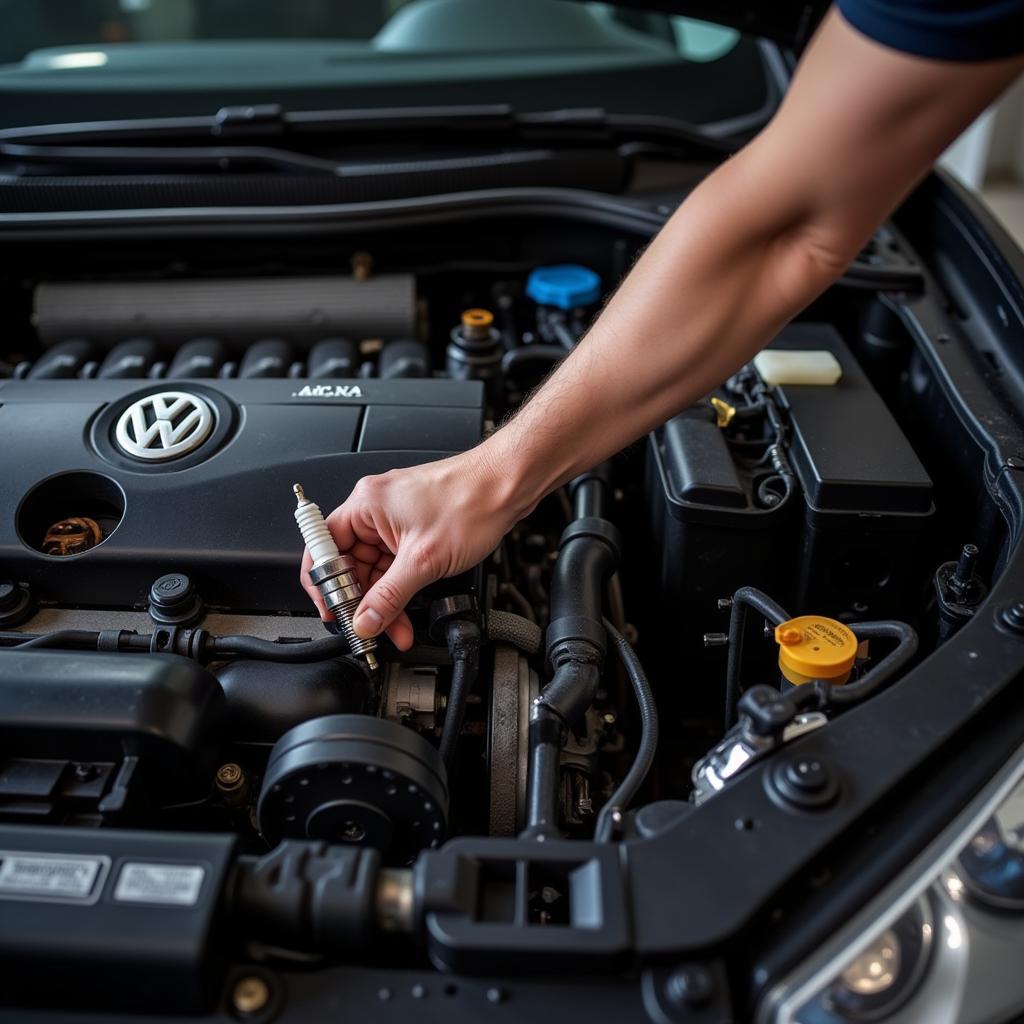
(698, 304)
(754, 244)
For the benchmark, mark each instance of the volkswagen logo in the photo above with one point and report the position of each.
(164, 426)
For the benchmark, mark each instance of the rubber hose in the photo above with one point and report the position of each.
(745, 598)
(509, 628)
(456, 711)
(648, 746)
(528, 354)
(882, 674)
(267, 650)
(62, 638)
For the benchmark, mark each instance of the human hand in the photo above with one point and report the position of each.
(409, 527)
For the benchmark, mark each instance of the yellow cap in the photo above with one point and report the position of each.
(815, 647)
(477, 318)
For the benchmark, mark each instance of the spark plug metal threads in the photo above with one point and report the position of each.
(333, 574)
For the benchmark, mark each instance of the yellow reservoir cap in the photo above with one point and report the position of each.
(815, 647)
(477, 318)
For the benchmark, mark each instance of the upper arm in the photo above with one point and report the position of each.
(860, 125)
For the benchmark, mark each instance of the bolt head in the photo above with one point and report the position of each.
(229, 775)
(1012, 616)
(809, 776)
(690, 985)
(250, 995)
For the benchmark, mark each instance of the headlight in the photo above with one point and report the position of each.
(881, 976)
(943, 944)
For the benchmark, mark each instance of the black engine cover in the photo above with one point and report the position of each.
(221, 512)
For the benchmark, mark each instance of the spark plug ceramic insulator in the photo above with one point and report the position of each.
(333, 574)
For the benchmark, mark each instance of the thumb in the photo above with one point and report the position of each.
(387, 598)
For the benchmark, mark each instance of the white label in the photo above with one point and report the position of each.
(51, 876)
(175, 884)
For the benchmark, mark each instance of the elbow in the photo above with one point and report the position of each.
(812, 255)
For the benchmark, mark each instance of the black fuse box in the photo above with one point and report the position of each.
(848, 543)
(709, 535)
(867, 497)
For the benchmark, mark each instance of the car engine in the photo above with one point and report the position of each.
(166, 423)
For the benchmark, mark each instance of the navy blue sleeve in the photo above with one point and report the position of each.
(967, 30)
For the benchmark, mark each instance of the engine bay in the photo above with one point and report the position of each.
(775, 555)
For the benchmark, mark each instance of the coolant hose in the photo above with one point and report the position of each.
(634, 779)
(590, 492)
(884, 672)
(192, 643)
(745, 599)
(588, 556)
(269, 650)
(575, 642)
(527, 355)
(61, 638)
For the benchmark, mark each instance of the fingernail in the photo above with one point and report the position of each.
(367, 623)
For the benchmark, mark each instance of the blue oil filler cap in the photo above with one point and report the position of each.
(567, 286)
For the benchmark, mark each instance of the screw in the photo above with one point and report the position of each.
(229, 776)
(1012, 616)
(806, 784)
(716, 639)
(495, 995)
(362, 266)
(807, 776)
(250, 996)
(690, 985)
(86, 772)
(352, 832)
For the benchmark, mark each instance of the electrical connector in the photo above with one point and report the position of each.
(333, 574)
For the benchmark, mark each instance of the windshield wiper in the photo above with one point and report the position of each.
(168, 158)
(98, 141)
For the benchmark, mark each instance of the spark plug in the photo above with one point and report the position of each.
(333, 574)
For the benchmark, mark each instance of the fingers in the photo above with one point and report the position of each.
(339, 522)
(386, 599)
(401, 632)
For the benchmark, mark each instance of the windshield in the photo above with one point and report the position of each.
(70, 60)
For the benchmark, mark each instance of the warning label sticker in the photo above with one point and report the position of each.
(55, 877)
(173, 884)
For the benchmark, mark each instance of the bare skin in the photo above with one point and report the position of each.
(750, 247)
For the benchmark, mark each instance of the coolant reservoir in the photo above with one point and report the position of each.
(815, 647)
(783, 366)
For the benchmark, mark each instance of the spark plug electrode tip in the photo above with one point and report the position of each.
(299, 492)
